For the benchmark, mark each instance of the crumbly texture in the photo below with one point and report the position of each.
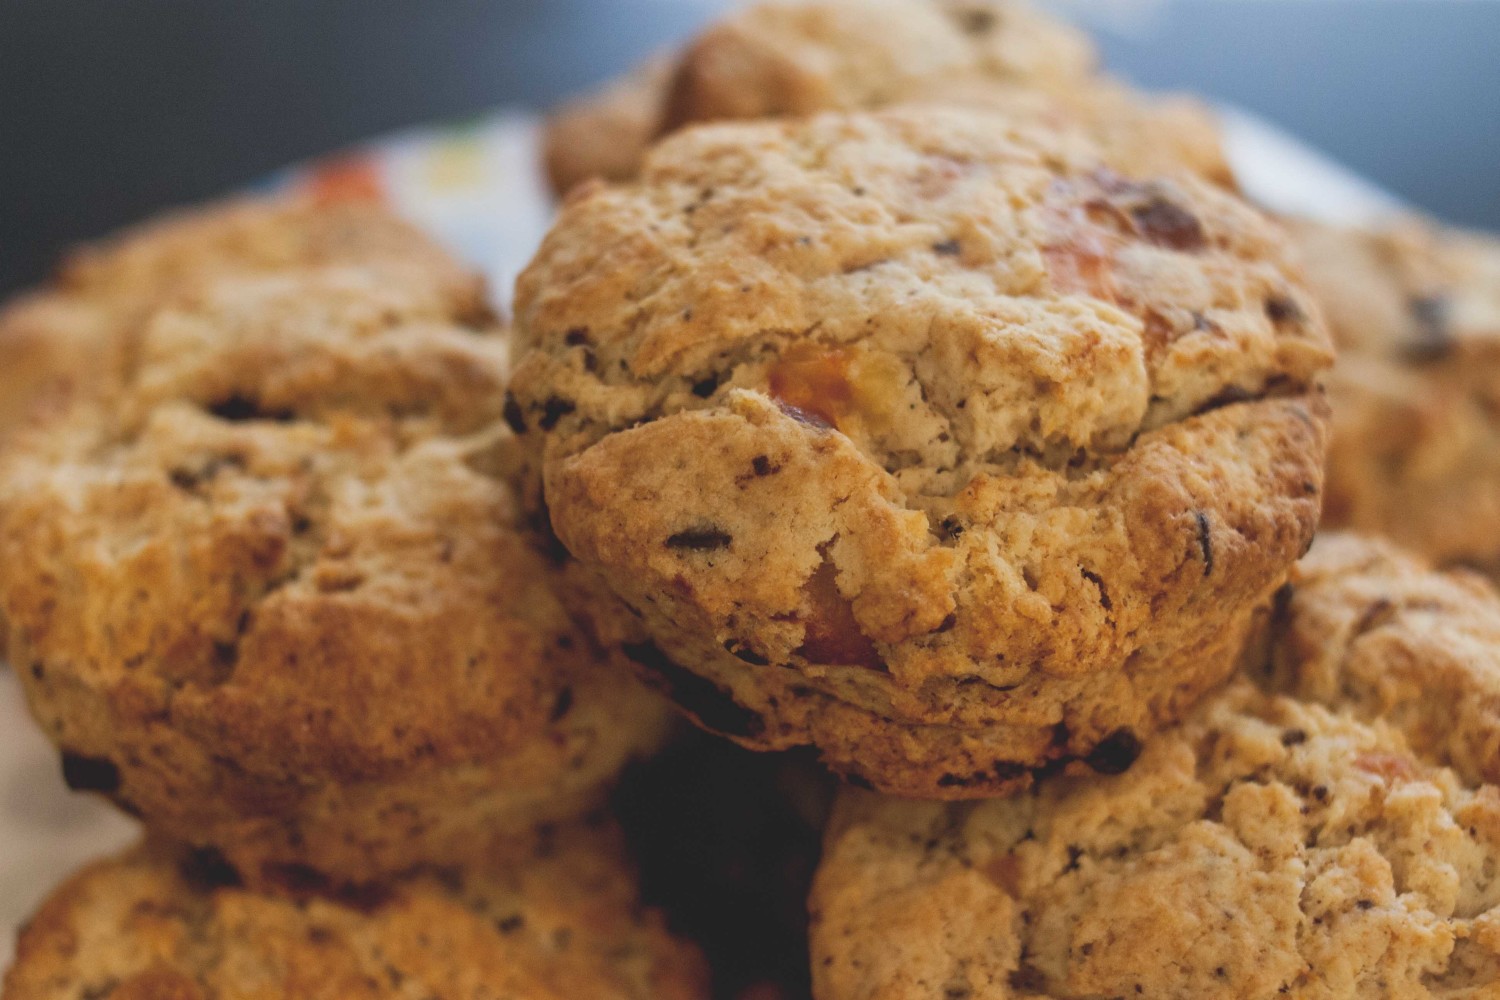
(78, 336)
(272, 594)
(552, 918)
(1415, 311)
(798, 58)
(1268, 848)
(1369, 629)
(922, 437)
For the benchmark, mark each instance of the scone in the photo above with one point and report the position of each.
(272, 594)
(1415, 311)
(554, 918)
(921, 437)
(1272, 846)
(605, 133)
(799, 57)
(77, 335)
(75, 338)
(1367, 628)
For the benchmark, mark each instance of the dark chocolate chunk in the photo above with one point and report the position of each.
(554, 410)
(90, 774)
(207, 868)
(515, 418)
(1280, 309)
(1116, 753)
(706, 539)
(1098, 582)
(1167, 224)
(238, 409)
(1205, 541)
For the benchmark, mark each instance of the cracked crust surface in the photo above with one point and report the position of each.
(1369, 629)
(1416, 442)
(921, 437)
(555, 917)
(77, 336)
(800, 58)
(1302, 844)
(272, 596)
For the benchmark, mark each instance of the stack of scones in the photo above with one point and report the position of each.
(898, 398)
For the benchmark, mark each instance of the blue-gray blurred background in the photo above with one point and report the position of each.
(112, 109)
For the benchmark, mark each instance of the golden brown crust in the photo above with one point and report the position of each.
(78, 335)
(1301, 839)
(795, 59)
(1369, 629)
(554, 918)
(1416, 451)
(920, 437)
(1267, 848)
(272, 596)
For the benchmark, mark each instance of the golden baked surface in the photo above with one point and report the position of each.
(797, 58)
(1369, 629)
(556, 918)
(1416, 451)
(922, 437)
(1271, 846)
(77, 335)
(271, 594)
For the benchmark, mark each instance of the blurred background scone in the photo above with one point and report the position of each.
(1415, 311)
(551, 917)
(797, 58)
(922, 437)
(270, 595)
(79, 334)
(1274, 845)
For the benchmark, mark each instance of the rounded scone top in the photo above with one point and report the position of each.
(272, 593)
(1415, 311)
(928, 414)
(1294, 839)
(790, 59)
(556, 918)
(78, 334)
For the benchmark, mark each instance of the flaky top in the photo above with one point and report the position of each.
(924, 391)
(1300, 834)
(556, 918)
(273, 589)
